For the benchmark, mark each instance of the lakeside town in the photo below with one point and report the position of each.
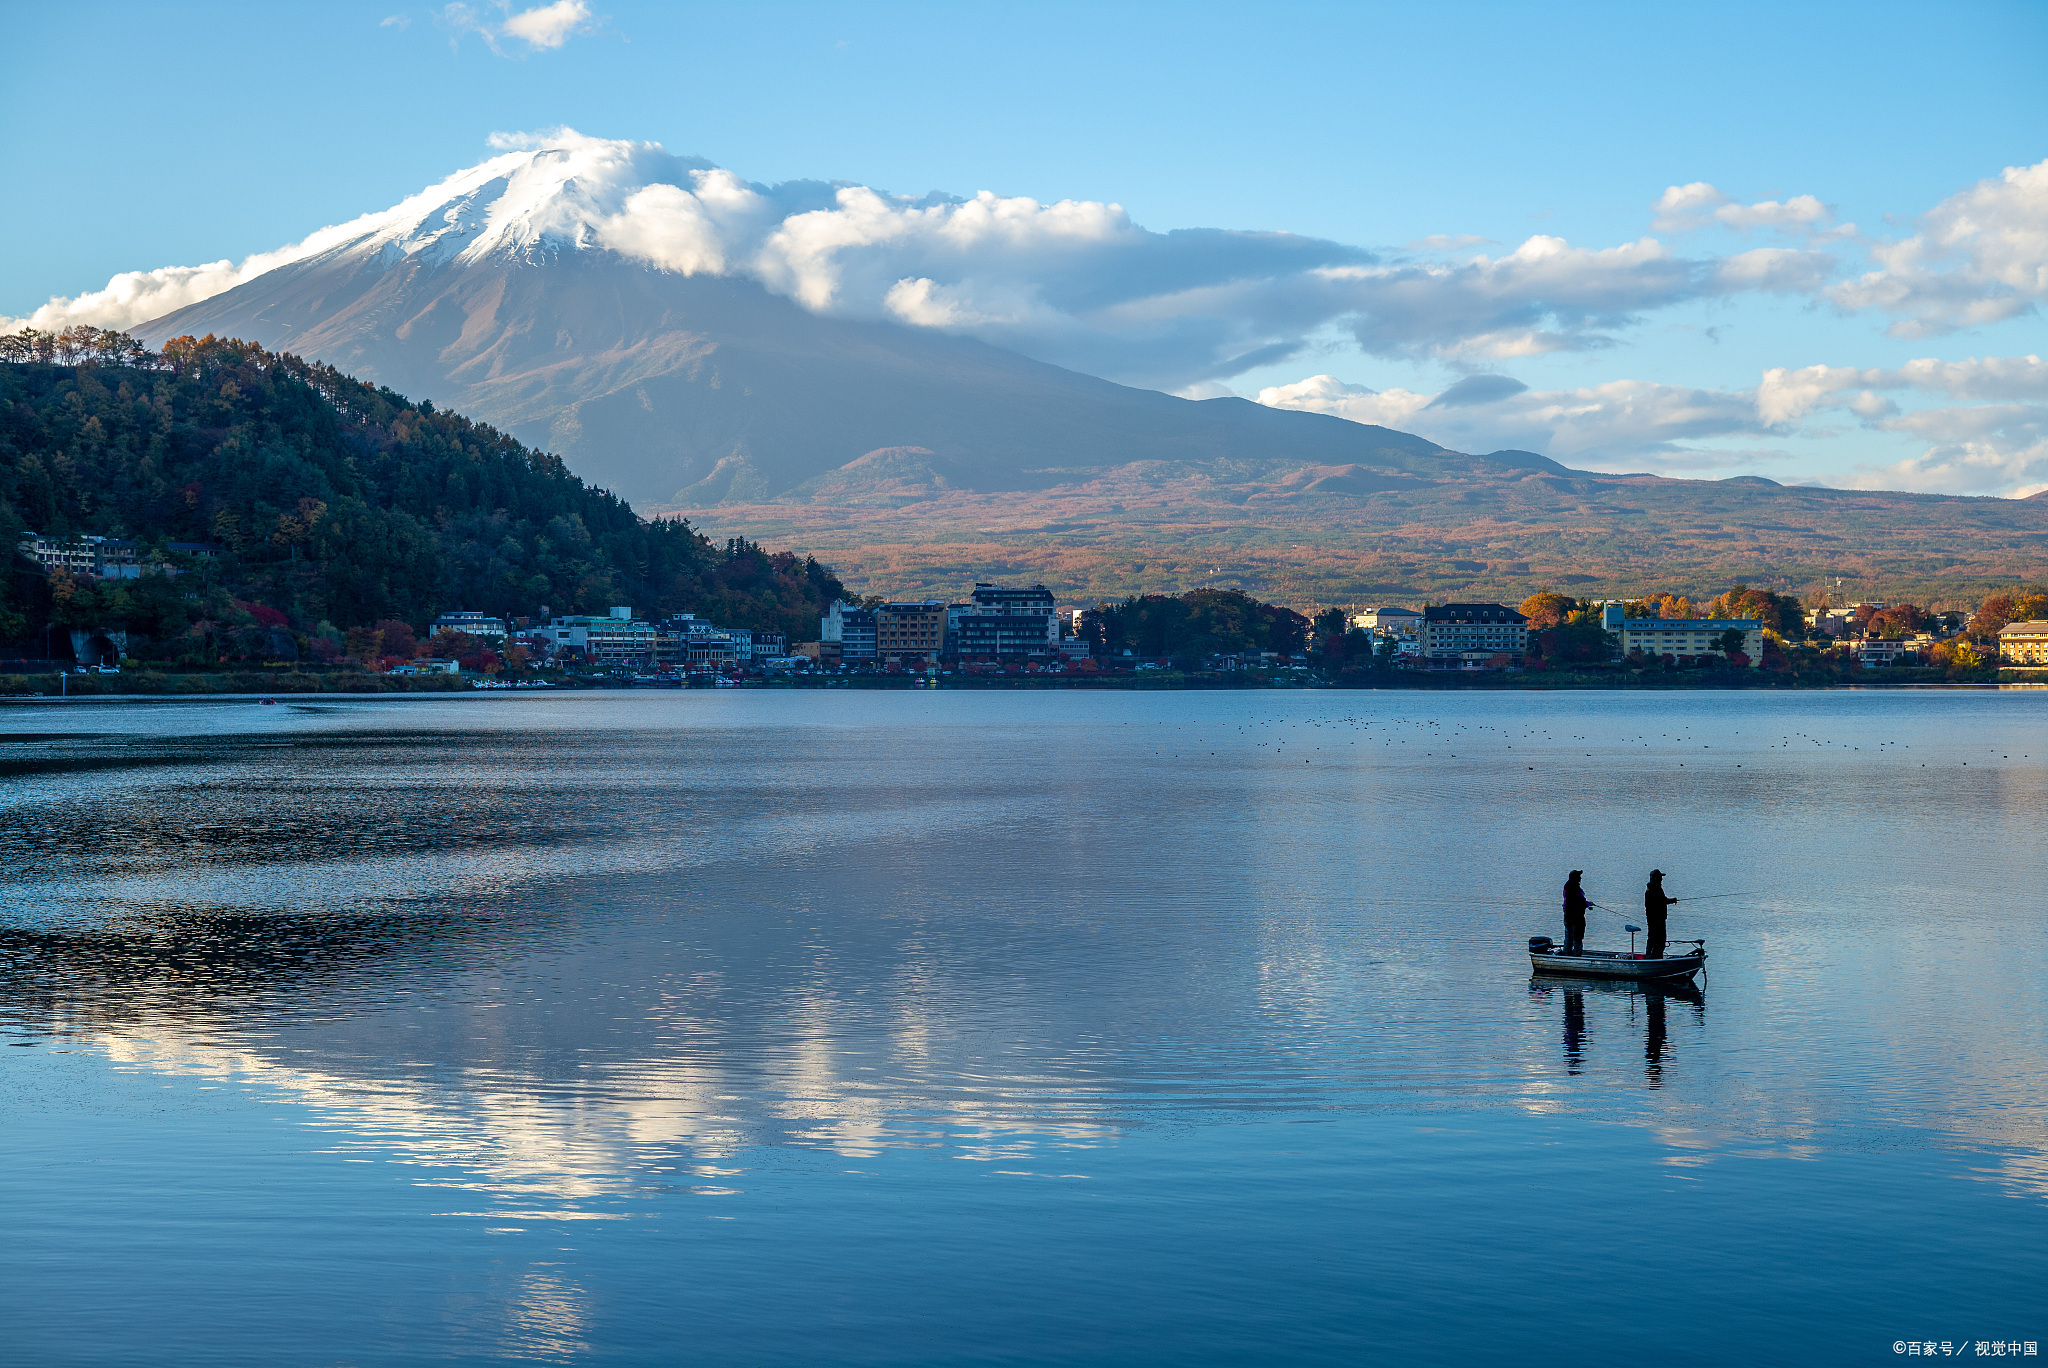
(1204, 636)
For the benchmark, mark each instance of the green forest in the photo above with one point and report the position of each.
(322, 504)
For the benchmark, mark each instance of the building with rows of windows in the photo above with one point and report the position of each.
(1472, 636)
(1682, 639)
(2023, 643)
(910, 633)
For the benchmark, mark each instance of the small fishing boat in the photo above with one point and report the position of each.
(1545, 958)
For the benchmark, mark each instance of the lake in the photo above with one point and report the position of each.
(1019, 1027)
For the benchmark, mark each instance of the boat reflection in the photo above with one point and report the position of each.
(1653, 997)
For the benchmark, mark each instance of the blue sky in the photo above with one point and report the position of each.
(149, 136)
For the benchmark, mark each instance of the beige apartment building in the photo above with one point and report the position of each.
(2023, 643)
(910, 632)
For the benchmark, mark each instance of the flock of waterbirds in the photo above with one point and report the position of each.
(1473, 736)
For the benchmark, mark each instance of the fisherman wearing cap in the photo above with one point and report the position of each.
(1655, 902)
(1574, 915)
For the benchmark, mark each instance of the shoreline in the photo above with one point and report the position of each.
(301, 684)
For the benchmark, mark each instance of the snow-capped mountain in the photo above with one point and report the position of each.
(687, 338)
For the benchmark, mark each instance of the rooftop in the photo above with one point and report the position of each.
(1473, 612)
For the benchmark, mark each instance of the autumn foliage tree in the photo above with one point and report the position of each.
(329, 501)
(1899, 620)
(1547, 609)
(2001, 610)
(1664, 606)
(1779, 613)
(1575, 638)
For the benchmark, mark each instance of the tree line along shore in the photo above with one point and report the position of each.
(214, 517)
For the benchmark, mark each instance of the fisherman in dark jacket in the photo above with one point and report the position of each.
(1655, 902)
(1574, 915)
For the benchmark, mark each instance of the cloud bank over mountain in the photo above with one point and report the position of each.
(1974, 448)
(1080, 284)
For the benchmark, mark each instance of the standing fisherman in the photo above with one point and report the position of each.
(1655, 903)
(1574, 915)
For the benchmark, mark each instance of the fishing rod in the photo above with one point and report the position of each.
(1709, 897)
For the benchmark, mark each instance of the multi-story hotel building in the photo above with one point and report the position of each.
(1682, 638)
(909, 633)
(1472, 635)
(2023, 643)
(617, 639)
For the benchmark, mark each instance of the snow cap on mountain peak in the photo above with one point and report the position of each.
(1076, 278)
(564, 190)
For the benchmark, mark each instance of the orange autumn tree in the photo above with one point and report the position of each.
(1546, 609)
(1776, 614)
(2017, 605)
(1662, 605)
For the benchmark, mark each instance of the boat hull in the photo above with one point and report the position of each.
(1616, 964)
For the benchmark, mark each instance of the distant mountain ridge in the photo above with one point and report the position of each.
(909, 454)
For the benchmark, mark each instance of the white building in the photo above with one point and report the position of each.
(615, 639)
(1874, 653)
(104, 557)
(1395, 622)
(470, 624)
(1682, 638)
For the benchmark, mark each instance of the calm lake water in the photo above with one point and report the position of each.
(852, 1028)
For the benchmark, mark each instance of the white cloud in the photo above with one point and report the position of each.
(1773, 270)
(1986, 448)
(1786, 395)
(1980, 257)
(549, 26)
(1983, 449)
(397, 21)
(1623, 424)
(1801, 213)
(1683, 208)
(1545, 296)
(542, 28)
(1392, 408)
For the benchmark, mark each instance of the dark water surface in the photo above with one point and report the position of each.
(859, 1028)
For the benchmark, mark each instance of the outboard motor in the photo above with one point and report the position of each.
(1541, 945)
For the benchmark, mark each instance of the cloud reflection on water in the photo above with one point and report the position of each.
(871, 938)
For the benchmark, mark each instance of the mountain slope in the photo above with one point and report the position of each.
(677, 391)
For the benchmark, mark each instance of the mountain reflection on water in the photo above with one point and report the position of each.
(612, 962)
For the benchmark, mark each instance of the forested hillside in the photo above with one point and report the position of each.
(332, 503)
